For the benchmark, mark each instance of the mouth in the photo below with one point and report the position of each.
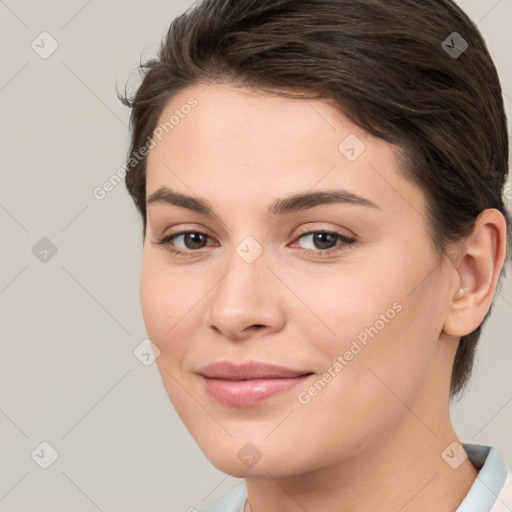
(249, 384)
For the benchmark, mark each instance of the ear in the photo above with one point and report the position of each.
(475, 273)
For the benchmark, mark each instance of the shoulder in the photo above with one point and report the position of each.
(232, 501)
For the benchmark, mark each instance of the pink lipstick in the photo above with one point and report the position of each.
(248, 384)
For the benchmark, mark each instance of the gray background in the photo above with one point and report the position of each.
(69, 325)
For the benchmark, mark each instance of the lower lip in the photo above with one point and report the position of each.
(248, 393)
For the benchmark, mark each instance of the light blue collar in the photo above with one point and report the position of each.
(489, 481)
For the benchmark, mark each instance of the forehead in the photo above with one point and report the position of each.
(251, 147)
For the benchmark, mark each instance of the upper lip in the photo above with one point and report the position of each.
(251, 370)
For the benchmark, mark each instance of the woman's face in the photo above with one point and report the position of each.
(352, 314)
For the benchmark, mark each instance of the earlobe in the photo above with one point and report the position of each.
(478, 270)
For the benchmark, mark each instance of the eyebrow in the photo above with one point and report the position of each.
(280, 207)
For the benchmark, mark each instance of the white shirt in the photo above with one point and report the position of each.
(490, 492)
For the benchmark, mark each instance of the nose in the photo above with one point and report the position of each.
(248, 300)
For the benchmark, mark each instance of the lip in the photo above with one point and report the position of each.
(248, 384)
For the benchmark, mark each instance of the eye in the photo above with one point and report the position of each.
(193, 240)
(323, 242)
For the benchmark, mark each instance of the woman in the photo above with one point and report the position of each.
(321, 189)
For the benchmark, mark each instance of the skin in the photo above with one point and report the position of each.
(373, 437)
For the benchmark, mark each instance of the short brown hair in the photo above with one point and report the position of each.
(386, 64)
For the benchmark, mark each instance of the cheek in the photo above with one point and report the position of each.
(376, 324)
(369, 362)
(164, 306)
(347, 304)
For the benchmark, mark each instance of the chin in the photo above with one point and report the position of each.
(245, 459)
(233, 467)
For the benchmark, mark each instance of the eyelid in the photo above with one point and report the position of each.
(164, 239)
(183, 229)
(337, 230)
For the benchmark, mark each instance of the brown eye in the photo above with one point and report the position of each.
(190, 242)
(193, 239)
(326, 241)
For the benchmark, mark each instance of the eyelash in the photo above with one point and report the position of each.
(346, 242)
